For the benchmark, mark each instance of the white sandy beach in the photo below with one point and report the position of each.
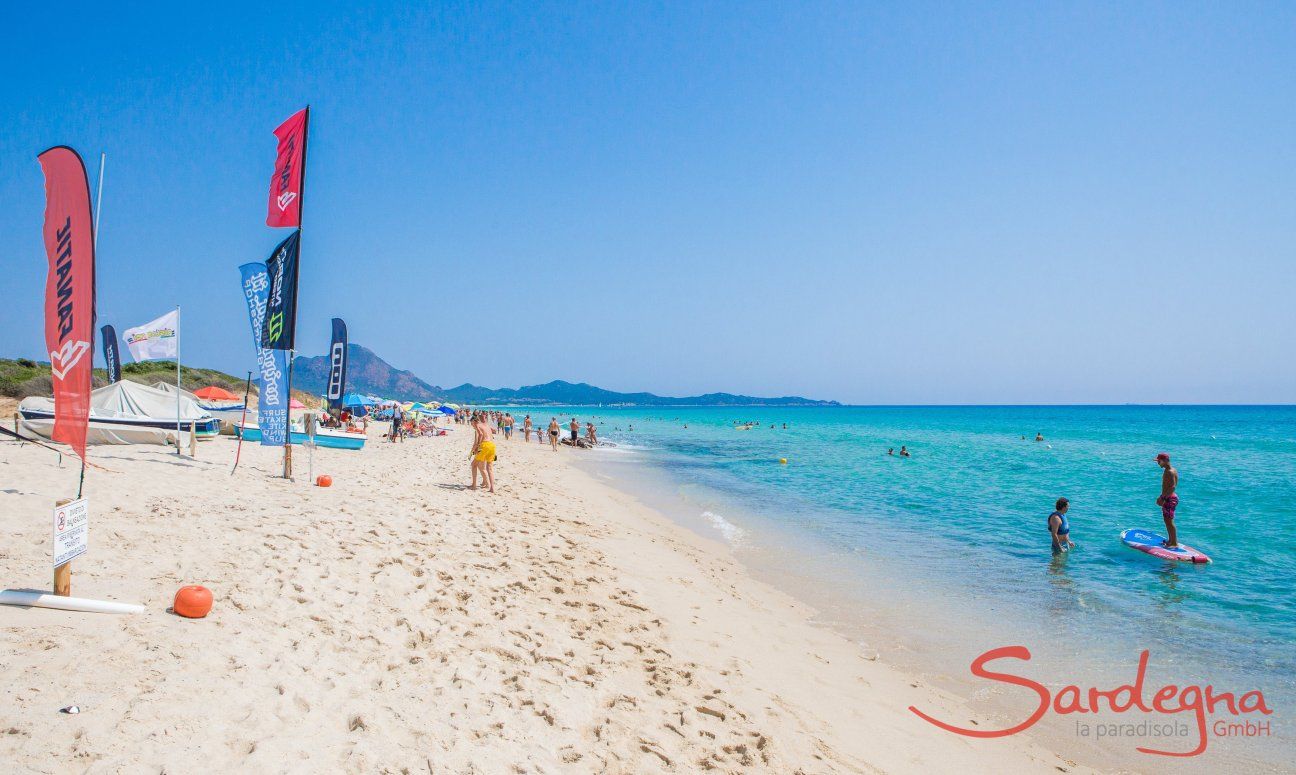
(397, 622)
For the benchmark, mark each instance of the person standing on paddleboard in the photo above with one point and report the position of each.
(1168, 500)
(1060, 528)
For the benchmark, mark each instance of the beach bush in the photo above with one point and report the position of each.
(24, 377)
(14, 376)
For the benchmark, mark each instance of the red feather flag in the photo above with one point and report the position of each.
(286, 183)
(69, 292)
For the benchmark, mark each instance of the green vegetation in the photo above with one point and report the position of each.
(23, 377)
(191, 379)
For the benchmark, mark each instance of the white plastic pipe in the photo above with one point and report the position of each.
(29, 598)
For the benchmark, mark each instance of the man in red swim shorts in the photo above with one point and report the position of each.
(1168, 500)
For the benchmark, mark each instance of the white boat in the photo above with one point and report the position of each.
(126, 413)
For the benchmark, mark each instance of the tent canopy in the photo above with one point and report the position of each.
(167, 387)
(131, 399)
(213, 393)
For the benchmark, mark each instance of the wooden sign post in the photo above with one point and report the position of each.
(63, 573)
(71, 531)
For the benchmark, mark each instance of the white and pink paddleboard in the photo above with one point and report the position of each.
(1154, 544)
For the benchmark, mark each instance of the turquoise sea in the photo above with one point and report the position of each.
(954, 539)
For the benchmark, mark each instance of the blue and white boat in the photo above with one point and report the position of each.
(324, 437)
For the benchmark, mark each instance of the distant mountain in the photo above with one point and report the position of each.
(559, 392)
(369, 374)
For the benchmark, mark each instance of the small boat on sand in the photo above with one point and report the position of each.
(127, 413)
(324, 437)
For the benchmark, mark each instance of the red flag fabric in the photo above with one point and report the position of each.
(286, 183)
(69, 291)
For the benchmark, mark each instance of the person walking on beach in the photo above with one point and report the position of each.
(574, 427)
(1060, 528)
(526, 428)
(397, 416)
(553, 433)
(1169, 500)
(483, 454)
(508, 425)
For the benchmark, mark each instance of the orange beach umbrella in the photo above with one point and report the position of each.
(213, 393)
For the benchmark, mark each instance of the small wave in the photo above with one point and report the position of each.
(620, 449)
(731, 532)
(622, 446)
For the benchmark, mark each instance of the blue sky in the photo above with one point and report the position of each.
(878, 203)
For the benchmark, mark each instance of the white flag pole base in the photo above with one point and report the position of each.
(28, 598)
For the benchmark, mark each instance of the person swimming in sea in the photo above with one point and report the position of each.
(891, 451)
(1060, 528)
(1039, 437)
(1168, 500)
(904, 451)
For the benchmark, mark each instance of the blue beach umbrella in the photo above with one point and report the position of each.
(355, 399)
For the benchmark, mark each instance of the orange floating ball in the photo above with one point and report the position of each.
(323, 480)
(193, 602)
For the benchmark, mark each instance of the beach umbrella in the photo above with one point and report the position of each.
(213, 393)
(295, 404)
(446, 410)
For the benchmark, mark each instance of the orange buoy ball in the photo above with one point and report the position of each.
(323, 480)
(192, 602)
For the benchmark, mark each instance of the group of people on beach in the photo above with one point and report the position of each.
(486, 424)
(1059, 525)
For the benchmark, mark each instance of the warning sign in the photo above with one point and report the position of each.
(71, 531)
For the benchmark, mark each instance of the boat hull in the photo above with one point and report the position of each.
(251, 432)
(102, 432)
(205, 429)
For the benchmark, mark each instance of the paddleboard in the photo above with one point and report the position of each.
(1154, 544)
(28, 598)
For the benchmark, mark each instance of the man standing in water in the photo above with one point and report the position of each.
(1060, 528)
(1168, 500)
